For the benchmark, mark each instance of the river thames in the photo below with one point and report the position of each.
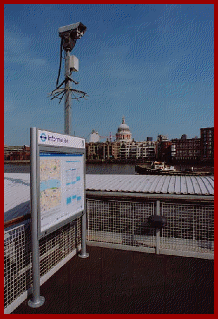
(125, 169)
(102, 168)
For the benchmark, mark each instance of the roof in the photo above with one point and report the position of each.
(17, 187)
(123, 126)
(16, 195)
(152, 184)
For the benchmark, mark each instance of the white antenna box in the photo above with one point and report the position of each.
(74, 63)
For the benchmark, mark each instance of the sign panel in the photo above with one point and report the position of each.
(59, 173)
(61, 187)
(56, 139)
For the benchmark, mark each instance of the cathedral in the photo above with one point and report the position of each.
(124, 147)
(123, 133)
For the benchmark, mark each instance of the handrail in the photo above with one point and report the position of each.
(16, 220)
(200, 199)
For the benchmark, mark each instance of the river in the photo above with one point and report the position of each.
(103, 168)
(125, 169)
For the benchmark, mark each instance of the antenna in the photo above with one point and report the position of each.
(69, 35)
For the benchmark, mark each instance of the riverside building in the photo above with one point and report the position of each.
(123, 148)
(207, 144)
(186, 150)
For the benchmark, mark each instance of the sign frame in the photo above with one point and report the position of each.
(77, 146)
(45, 148)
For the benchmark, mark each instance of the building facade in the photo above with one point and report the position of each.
(163, 148)
(123, 148)
(16, 153)
(138, 150)
(186, 150)
(207, 144)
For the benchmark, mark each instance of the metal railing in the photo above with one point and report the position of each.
(124, 224)
(55, 250)
(117, 223)
(189, 231)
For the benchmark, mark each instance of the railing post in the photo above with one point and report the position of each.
(157, 212)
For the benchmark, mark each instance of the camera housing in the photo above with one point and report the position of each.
(70, 34)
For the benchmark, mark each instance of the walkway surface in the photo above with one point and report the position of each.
(115, 281)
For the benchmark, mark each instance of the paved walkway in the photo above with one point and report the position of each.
(115, 281)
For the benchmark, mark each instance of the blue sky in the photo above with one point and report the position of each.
(153, 64)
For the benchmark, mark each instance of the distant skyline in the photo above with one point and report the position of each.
(151, 63)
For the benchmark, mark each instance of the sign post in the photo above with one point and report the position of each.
(37, 300)
(83, 253)
(57, 191)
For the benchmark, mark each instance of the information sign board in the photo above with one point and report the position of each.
(60, 176)
(61, 187)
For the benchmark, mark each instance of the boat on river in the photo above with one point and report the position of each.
(160, 168)
(157, 168)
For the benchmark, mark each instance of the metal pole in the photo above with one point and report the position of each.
(83, 253)
(67, 105)
(157, 230)
(37, 300)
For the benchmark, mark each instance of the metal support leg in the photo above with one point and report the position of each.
(83, 253)
(37, 300)
(157, 230)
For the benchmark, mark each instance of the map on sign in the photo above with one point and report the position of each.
(61, 187)
(50, 184)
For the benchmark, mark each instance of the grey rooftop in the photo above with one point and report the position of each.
(17, 188)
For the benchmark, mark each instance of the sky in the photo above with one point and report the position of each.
(151, 63)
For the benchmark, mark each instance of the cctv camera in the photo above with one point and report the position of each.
(72, 27)
(70, 34)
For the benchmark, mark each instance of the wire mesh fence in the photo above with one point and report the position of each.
(18, 257)
(190, 228)
(122, 223)
(14, 263)
(116, 223)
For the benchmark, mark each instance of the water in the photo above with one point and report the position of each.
(103, 168)
(125, 169)
(10, 168)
